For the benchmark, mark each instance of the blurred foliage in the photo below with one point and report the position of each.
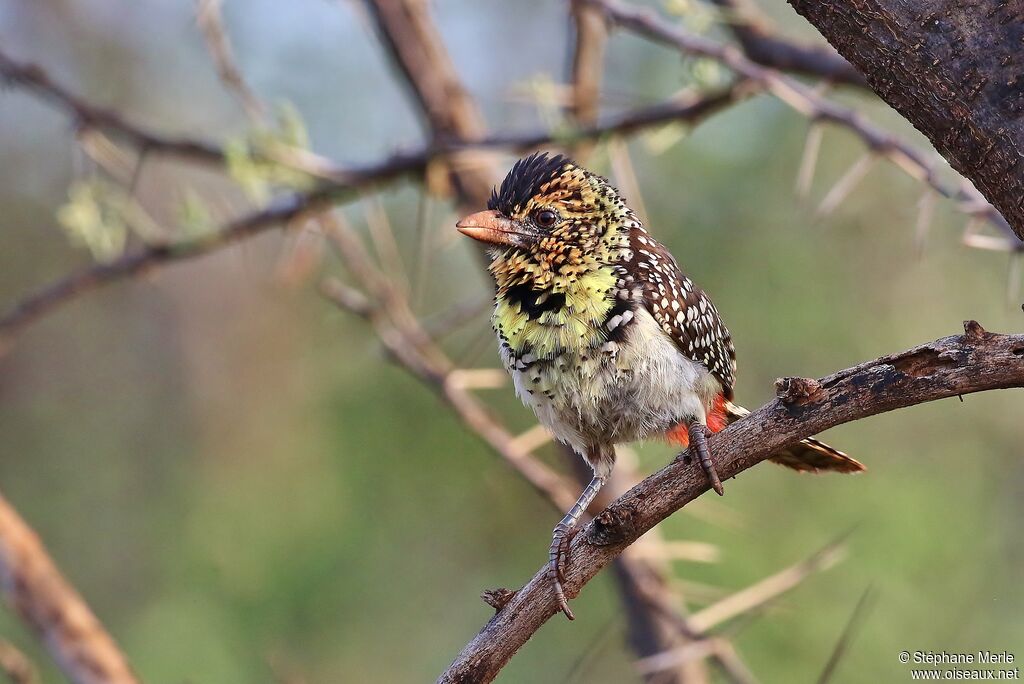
(246, 491)
(253, 158)
(194, 217)
(93, 218)
(100, 215)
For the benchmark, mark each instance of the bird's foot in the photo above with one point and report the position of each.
(557, 555)
(698, 433)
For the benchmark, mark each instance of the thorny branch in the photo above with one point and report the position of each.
(810, 104)
(762, 46)
(976, 361)
(951, 68)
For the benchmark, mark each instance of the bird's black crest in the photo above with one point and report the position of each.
(525, 179)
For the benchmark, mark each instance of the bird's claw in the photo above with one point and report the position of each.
(699, 443)
(557, 555)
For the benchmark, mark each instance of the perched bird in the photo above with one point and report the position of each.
(604, 337)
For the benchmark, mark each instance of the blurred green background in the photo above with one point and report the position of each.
(246, 491)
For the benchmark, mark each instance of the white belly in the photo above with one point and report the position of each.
(639, 388)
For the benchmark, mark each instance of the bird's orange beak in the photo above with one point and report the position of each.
(490, 227)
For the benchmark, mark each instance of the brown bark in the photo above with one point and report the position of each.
(954, 69)
(762, 46)
(973, 362)
(34, 587)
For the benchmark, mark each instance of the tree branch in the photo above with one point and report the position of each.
(48, 298)
(211, 23)
(656, 625)
(86, 115)
(973, 362)
(34, 587)
(345, 186)
(951, 68)
(417, 50)
(762, 46)
(16, 666)
(590, 36)
(810, 104)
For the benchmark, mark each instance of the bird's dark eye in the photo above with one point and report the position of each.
(545, 218)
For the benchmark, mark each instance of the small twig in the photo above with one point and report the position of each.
(86, 115)
(16, 665)
(625, 176)
(797, 391)
(768, 589)
(809, 160)
(845, 185)
(35, 588)
(859, 612)
(211, 23)
(497, 598)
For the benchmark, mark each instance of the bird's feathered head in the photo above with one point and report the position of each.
(549, 217)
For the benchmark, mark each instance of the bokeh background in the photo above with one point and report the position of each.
(246, 491)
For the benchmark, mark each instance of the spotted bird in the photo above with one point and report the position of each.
(604, 336)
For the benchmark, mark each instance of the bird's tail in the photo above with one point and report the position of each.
(808, 455)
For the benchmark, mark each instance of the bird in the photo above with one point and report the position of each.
(605, 338)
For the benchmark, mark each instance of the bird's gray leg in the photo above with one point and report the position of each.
(698, 433)
(561, 536)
